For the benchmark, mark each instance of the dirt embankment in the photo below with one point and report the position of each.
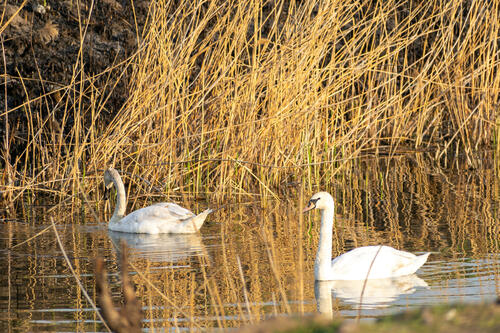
(47, 45)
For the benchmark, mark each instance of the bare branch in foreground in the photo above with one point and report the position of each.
(128, 318)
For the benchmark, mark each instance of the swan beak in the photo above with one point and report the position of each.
(310, 205)
(106, 193)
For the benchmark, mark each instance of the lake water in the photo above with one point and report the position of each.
(254, 261)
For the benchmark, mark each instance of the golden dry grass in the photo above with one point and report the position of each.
(230, 99)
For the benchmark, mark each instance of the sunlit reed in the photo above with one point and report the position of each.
(228, 99)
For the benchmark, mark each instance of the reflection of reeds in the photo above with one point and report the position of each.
(228, 99)
(406, 202)
(430, 204)
(76, 275)
(128, 319)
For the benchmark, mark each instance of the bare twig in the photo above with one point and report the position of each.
(84, 292)
(32, 237)
(245, 293)
(364, 283)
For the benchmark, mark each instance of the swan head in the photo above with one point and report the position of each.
(321, 201)
(109, 178)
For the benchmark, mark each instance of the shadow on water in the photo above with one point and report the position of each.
(250, 263)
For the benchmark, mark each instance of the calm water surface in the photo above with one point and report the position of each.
(252, 262)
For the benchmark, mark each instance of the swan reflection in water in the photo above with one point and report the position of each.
(378, 293)
(161, 247)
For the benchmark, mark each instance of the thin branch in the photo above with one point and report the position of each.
(84, 292)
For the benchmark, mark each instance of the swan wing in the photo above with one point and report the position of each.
(157, 219)
(163, 211)
(174, 210)
(375, 262)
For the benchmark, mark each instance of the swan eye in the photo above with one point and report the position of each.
(313, 202)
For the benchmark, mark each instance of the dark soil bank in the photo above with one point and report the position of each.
(41, 42)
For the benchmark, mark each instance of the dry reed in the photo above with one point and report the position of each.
(231, 99)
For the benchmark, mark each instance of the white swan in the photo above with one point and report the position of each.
(367, 262)
(160, 218)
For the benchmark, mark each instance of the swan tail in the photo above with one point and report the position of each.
(199, 219)
(413, 266)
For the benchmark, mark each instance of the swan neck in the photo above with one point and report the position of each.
(121, 199)
(323, 265)
(323, 294)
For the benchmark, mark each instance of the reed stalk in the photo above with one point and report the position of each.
(232, 97)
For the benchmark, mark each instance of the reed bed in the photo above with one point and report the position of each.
(235, 99)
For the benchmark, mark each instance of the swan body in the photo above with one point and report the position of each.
(160, 218)
(367, 262)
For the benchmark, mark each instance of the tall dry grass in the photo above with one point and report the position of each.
(230, 98)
